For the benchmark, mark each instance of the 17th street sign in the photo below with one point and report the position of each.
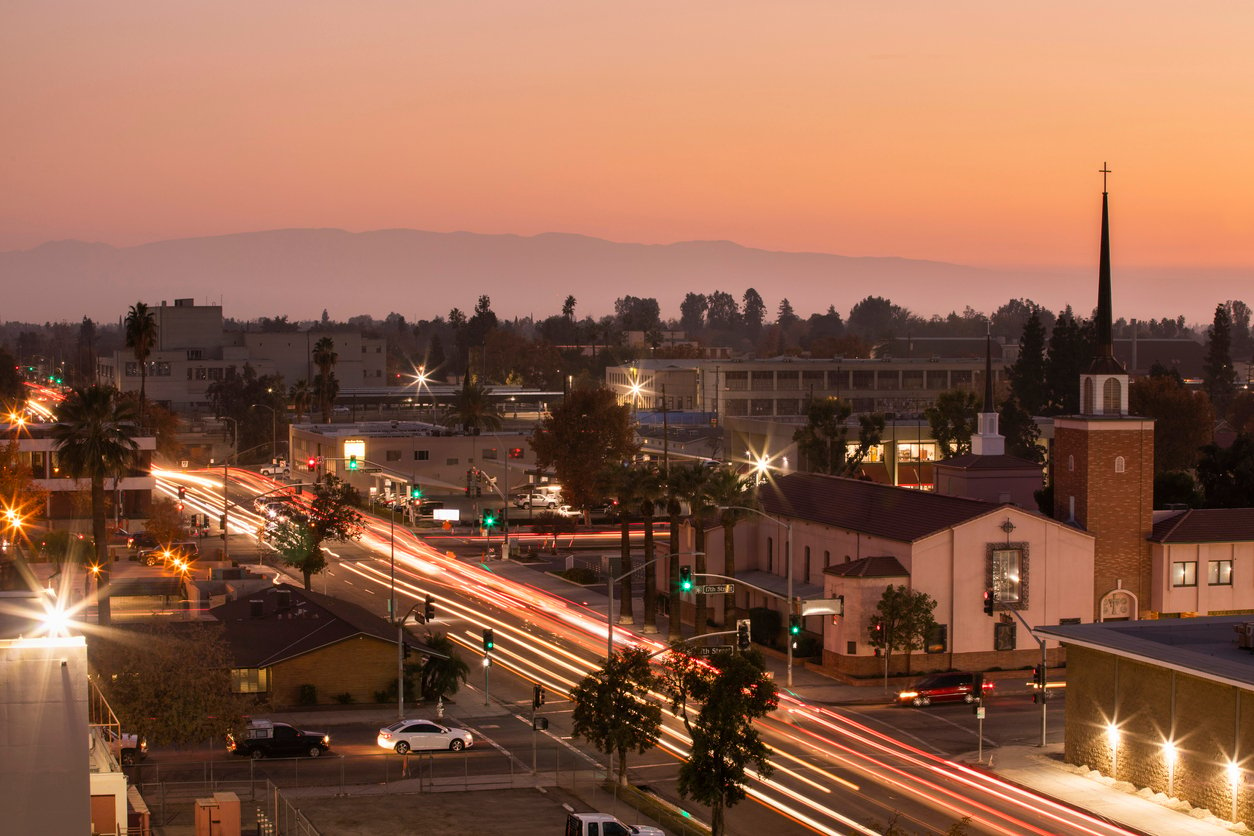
(717, 588)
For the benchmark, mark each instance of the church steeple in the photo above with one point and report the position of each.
(1104, 388)
(988, 441)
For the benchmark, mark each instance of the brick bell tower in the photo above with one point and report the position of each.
(1103, 467)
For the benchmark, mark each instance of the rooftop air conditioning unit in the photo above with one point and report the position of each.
(1245, 635)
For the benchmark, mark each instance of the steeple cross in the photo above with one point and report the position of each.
(1104, 171)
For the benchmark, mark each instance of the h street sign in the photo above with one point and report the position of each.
(710, 651)
(717, 588)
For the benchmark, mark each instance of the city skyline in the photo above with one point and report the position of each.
(970, 134)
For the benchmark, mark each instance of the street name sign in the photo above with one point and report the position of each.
(710, 651)
(717, 588)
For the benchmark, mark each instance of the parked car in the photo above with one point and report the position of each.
(423, 735)
(567, 512)
(142, 540)
(943, 687)
(538, 500)
(268, 739)
(279, 468)
(603, 824)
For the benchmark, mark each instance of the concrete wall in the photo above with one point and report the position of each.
(1209, 723)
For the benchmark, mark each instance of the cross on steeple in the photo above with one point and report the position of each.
(1104, 171)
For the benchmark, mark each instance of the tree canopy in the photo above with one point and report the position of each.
(614, 710)
(331, 515)
(902, 621)
(587, 432)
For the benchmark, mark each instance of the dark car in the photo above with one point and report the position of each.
(943, 687)
(267, 739)
(142, 540)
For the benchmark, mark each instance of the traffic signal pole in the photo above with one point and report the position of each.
(1042, 689)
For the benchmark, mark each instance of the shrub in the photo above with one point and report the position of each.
(308, 695)
(808, 644)
(580, 575)
(344, 698)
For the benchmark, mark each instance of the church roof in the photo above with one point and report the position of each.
(881, 510)
(1004, 461)
(880, 566)
(1205, 525)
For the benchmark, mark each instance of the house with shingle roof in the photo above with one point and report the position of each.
(289, 644)
(852, 538)
(1201, 561)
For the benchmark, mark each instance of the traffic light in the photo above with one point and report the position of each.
(989, 600)
(352, 462)
(428, 610)
(685, 579)
(794, 624)
(415, 492)
(537, 696)
(488, 641)
(182, 492)
(742, 633)
(178, 506)
(1038, 676)
(489, 519)
(222, 523)
(312, 463)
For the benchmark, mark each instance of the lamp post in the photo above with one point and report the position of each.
(274, 429)
(226, 472)
(788, 557)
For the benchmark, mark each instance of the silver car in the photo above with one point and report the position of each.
(423, 735)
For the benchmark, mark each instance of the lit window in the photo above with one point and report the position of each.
(1219, 573)
(250, 680)
(1184, 573)
(1121, 464)
(1007, 575)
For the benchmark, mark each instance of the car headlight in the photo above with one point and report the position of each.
(907, 695)
(326, 740)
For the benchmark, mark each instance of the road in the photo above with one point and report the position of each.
(836, 770)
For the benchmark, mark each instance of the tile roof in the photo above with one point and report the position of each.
(1205, 525)
(881, 566)
(881, 510)
(311, 621)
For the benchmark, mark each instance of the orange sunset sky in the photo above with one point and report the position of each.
(969, 132)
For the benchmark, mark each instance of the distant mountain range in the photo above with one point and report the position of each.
(301, 272)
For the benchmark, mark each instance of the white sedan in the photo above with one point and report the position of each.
(423, 735)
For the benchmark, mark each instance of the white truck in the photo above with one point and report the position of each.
(603, 824)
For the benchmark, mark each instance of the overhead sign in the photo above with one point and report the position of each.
(450, 514)
(824, 606)
(717, 588)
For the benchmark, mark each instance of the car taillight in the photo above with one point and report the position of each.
(385, 735)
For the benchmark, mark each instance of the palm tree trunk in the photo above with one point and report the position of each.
(729, 564)
(698, 546)
(675, 622)
(104, 615)
(626, 611)
(650, 579)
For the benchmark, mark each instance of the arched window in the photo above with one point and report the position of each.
(1070, 463)
(1120, 464)
(1087, 406)
(1112, 394)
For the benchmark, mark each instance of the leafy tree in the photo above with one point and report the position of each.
(902, 621)
(1241, 413)
(12, 390)
(85, 354)
(637, 314)
(331, 515)
(325, 385)
(568, 308)
(953, 421)
(1012, 318)
(1070, 351)
(1027, 373)
(1177, 487)
(237, 397)
(1182, 420)
(692, 312)
(1219, 376)
(169, 682)
(1226, 475)
(1239, 312)
(584, 434)
(614, 710)
(826, 326)
(752, 311)
(482, 322)
(723, 313)
(473, 409)
(141, 337)
(165, 521)
(435, 358)
(875, 318)
(1020, 431)
(725, 742)
(822, 441)
(95, 439)
(442, 677)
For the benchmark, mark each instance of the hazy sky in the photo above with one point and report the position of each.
(963, 131)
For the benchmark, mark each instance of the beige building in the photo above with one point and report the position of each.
(1202, 562)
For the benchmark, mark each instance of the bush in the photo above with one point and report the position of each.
(581, 575)
(381, 697)
(308, 695)
(344, 698)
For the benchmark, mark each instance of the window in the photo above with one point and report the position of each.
(1121, 465)
(937, 640)
(1112, 394)
(805, 572)
(1004, 635)
(422, 455)
(1006, 565)
(250, 680)
(131, 369)
(1070, 463)
(1219, 573)
(392, 455)
(1184, 573)
(194, 354)
(451, 460)
(770, 554)
(489, 453)
(851, 648)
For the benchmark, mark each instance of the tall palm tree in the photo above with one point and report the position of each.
(622, 482)
(728, 489)
(95, 439)
(473, 409)
(141, 337)
(692, 484)
(325, 385)
(302, 398)
(648, 490)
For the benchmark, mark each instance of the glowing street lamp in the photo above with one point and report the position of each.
(1169, 755)
(1112, 738)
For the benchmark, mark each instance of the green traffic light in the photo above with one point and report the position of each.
(415, 492)
(488, 520)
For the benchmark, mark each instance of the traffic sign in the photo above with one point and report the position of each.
(710, 651)
(717, 588)
(369, 470)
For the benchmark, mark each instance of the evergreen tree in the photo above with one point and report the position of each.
(1226, 475)
(1027, 373)
(1218, 374)
(1070, 352)
(753, 311)
(953, 420)
(1020, 431)
(692, 312)
(786, 315)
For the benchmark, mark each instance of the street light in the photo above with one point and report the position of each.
(787, 566)
(609, 614)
